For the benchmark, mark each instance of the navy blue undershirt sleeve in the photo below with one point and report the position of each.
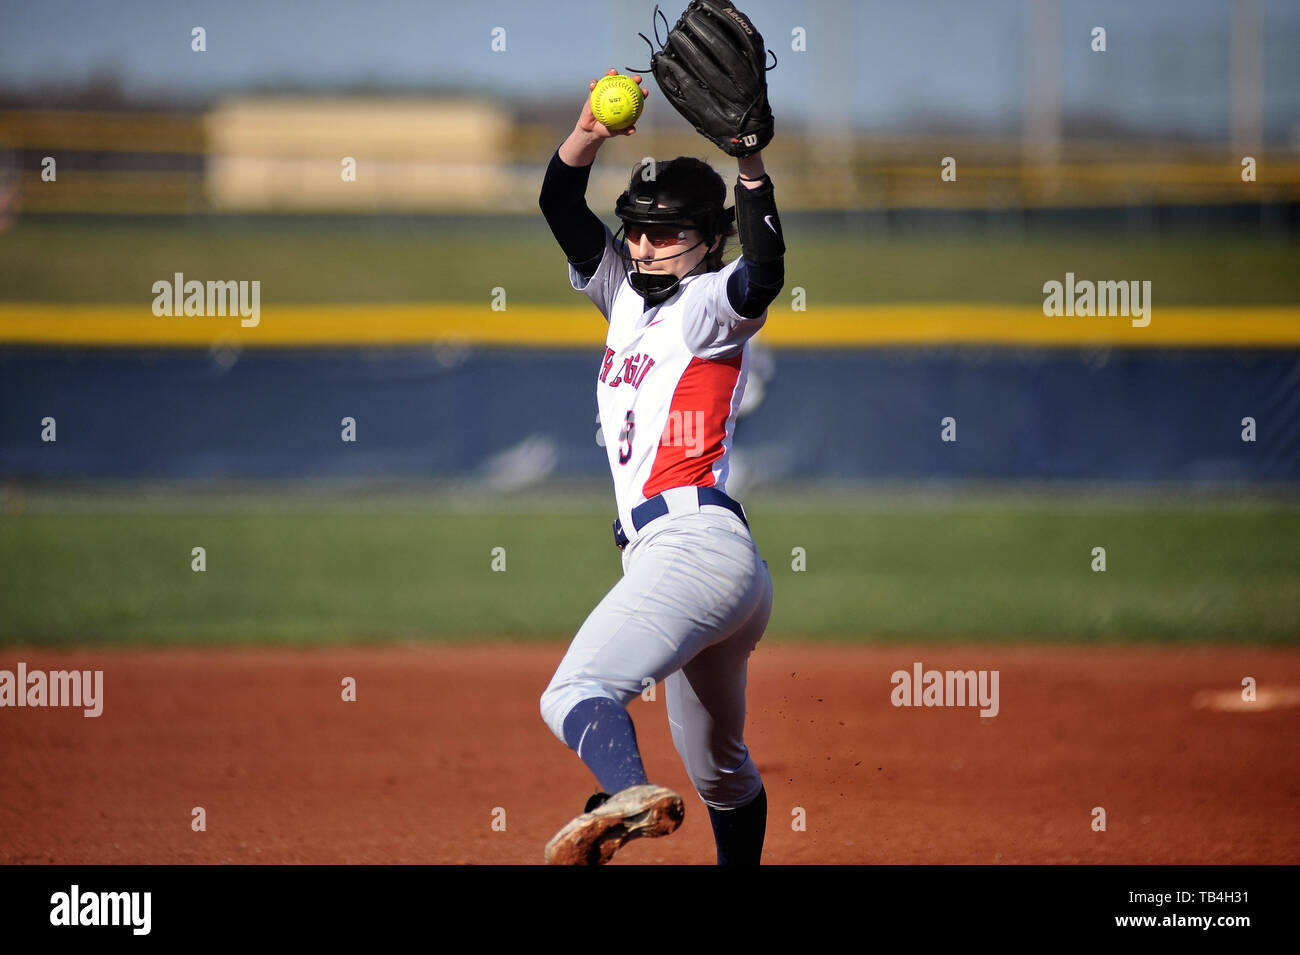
(576, 228)
(753, 287)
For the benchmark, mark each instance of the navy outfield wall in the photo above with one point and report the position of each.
(513, 416)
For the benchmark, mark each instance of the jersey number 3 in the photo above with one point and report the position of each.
(625, 438)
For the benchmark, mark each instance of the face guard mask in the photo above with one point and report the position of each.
(654, 287)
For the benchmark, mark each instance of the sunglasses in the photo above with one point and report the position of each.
(660, 236)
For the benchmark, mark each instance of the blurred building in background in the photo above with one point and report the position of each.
(293, 155)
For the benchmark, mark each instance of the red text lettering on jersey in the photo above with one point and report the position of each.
(635, 367)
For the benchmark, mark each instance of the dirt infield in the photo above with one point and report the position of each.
(440, 739)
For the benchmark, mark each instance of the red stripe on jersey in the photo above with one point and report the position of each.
(697, 422)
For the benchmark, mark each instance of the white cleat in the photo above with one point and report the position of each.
(594, 837)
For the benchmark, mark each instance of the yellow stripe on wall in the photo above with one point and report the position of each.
(564, 326)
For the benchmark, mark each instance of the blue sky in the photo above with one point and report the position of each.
(885, 64)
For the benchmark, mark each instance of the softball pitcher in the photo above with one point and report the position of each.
(696, 595)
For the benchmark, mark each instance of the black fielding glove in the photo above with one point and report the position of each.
(713, 69)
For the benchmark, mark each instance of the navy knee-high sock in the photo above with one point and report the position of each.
(600, 731)
(739, 832)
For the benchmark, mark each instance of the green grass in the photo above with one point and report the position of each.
(1171, 575)
(374, 261)
(118, 571)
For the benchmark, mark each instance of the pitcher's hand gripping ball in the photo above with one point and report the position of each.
(713, 69)
(616, 102)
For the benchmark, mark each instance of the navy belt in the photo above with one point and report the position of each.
(657, 507)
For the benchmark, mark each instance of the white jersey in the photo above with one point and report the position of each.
(670, 381)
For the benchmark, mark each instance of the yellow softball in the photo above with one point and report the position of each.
(616, 102)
